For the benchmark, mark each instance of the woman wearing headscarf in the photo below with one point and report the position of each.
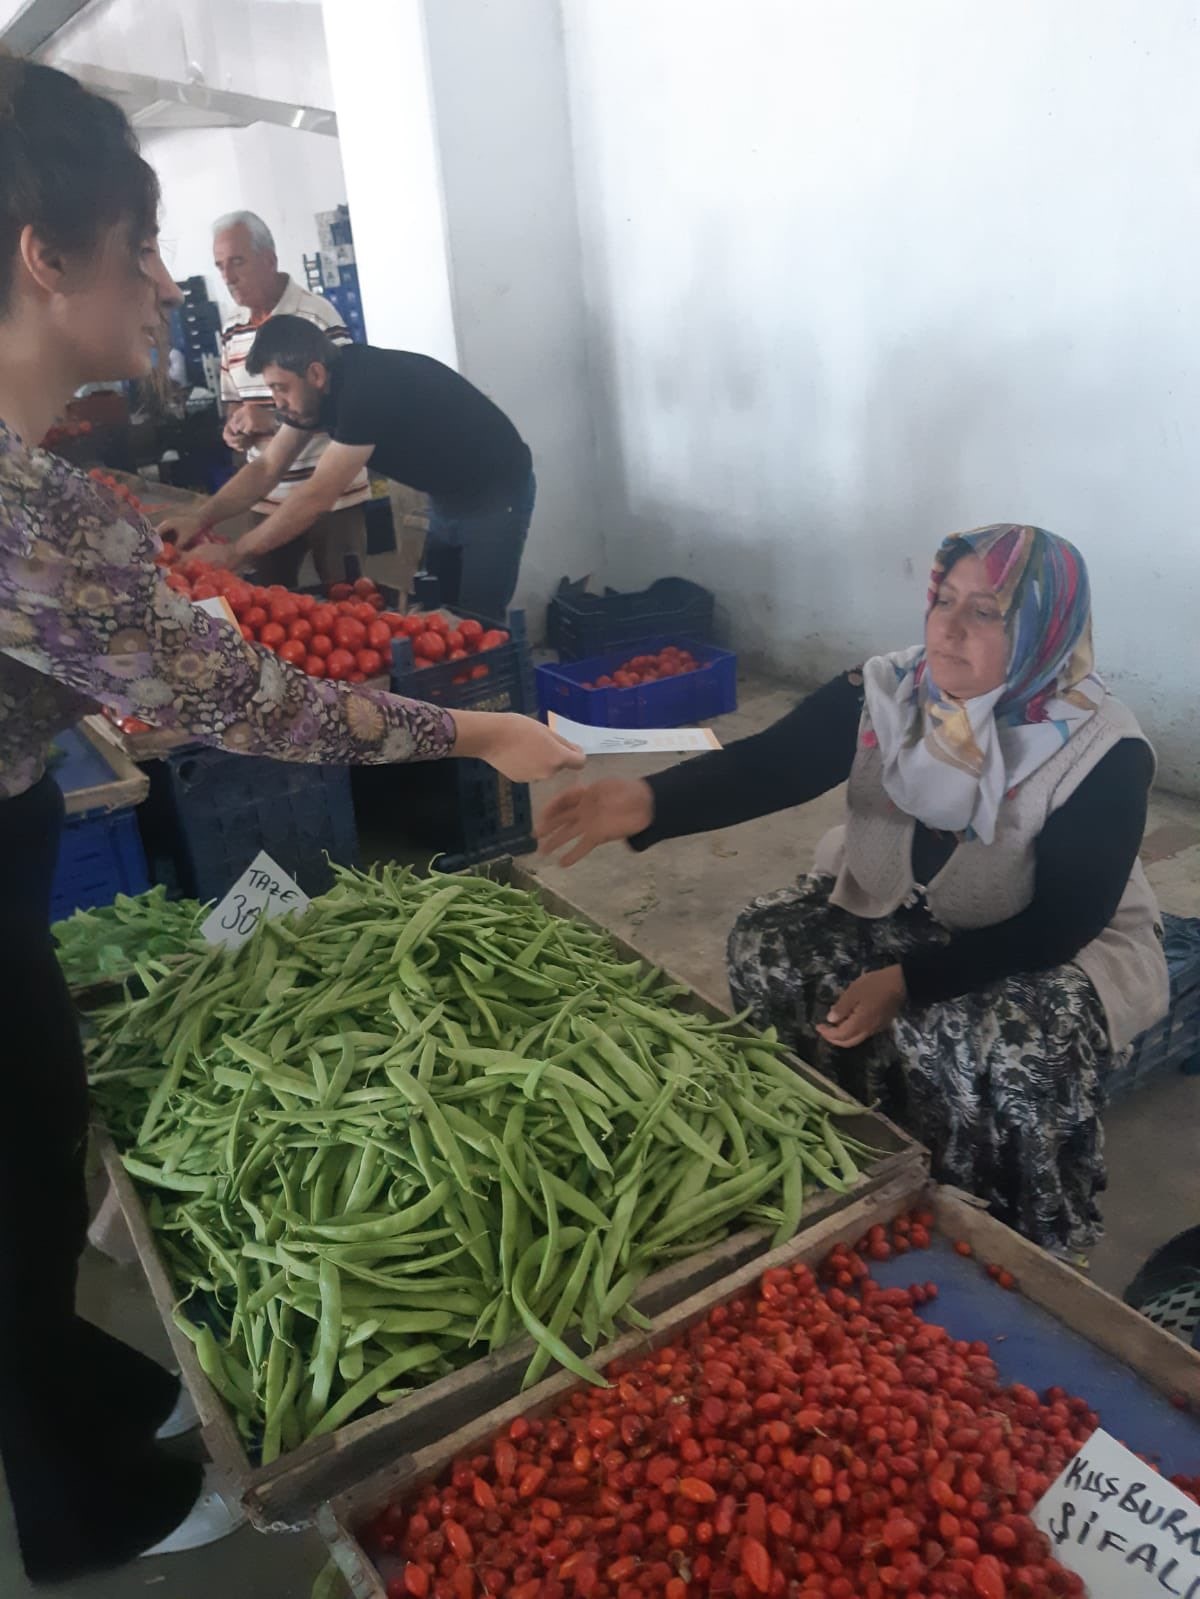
(978, 943)
(85, 616)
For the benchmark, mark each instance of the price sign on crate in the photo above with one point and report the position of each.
(1120, 1526)
(263, 889)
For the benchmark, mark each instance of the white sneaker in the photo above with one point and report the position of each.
(214, 1516)
(182, 1419)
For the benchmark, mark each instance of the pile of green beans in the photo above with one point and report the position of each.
(388, 1136)
(103, 943)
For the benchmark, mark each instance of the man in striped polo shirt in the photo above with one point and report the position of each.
(244, 254)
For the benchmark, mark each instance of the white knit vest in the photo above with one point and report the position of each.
(982, 884)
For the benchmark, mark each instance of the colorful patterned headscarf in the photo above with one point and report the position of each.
(950, 762)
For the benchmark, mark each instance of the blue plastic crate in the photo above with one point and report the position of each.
(209, 813)
(671, 702)
(100, 853)
(1175, 1041)
(99, 857)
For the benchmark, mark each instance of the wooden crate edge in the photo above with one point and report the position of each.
(1089, 1311)
(1104, 1320)
(286, 1495)
(219, 1434)
(904, 1189)
(129, 785)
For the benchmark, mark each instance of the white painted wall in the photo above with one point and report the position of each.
(456, 144)
(285, 175)
(859, 274)
(387, 131)
(499, 87)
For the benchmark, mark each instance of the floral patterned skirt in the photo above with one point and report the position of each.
(1004, 1087)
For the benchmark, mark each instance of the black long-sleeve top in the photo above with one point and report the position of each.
(1083, 855)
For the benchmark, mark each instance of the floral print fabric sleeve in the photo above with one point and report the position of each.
(82, 603)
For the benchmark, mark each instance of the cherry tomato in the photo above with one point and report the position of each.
(249, 634)
(339, 664)
(284, 610)
(256, 617)
(272, 635)
(293, 652)
(322, 618)
(472, 632)
(340, 591)
(301, 629)
(320, 644)
(364, 587)
(370, 663)
(306, 604)
(379, 636)
(314, 665)
(492, 639)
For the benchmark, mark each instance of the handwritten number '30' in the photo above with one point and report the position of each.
(240, 917)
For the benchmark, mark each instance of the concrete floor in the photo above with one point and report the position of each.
(676, 904)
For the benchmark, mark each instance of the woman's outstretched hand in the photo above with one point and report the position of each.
(601, 813)
(519, 748)
(869, 1006)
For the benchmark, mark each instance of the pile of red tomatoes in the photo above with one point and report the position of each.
(813, 1437)
(121, 492)
(62, 431)
(347, 637)
(639, 669)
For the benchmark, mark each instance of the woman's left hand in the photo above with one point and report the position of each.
(869, 1005)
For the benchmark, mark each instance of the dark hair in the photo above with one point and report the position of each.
(69, 166)
(291, 342)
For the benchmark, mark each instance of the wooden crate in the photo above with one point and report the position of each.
(1162, 1360)
(127, 786)
(284, 1494)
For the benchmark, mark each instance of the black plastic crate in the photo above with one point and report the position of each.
(461, 811)
(458, 813)
(209, 813)
(580, 625)
(499, 680)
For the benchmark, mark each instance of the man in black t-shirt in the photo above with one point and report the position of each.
(411, 419)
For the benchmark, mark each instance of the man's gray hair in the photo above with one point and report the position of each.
(260, 234)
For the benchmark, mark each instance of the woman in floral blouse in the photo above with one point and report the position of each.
(85, 617)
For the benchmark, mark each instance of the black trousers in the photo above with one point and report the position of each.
(78, 1409)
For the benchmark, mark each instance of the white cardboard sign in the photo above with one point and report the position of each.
(1128, 1532)
(263, 889)
(633, 740)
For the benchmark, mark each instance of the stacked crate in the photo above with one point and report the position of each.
(196, 331)
(335, 268)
